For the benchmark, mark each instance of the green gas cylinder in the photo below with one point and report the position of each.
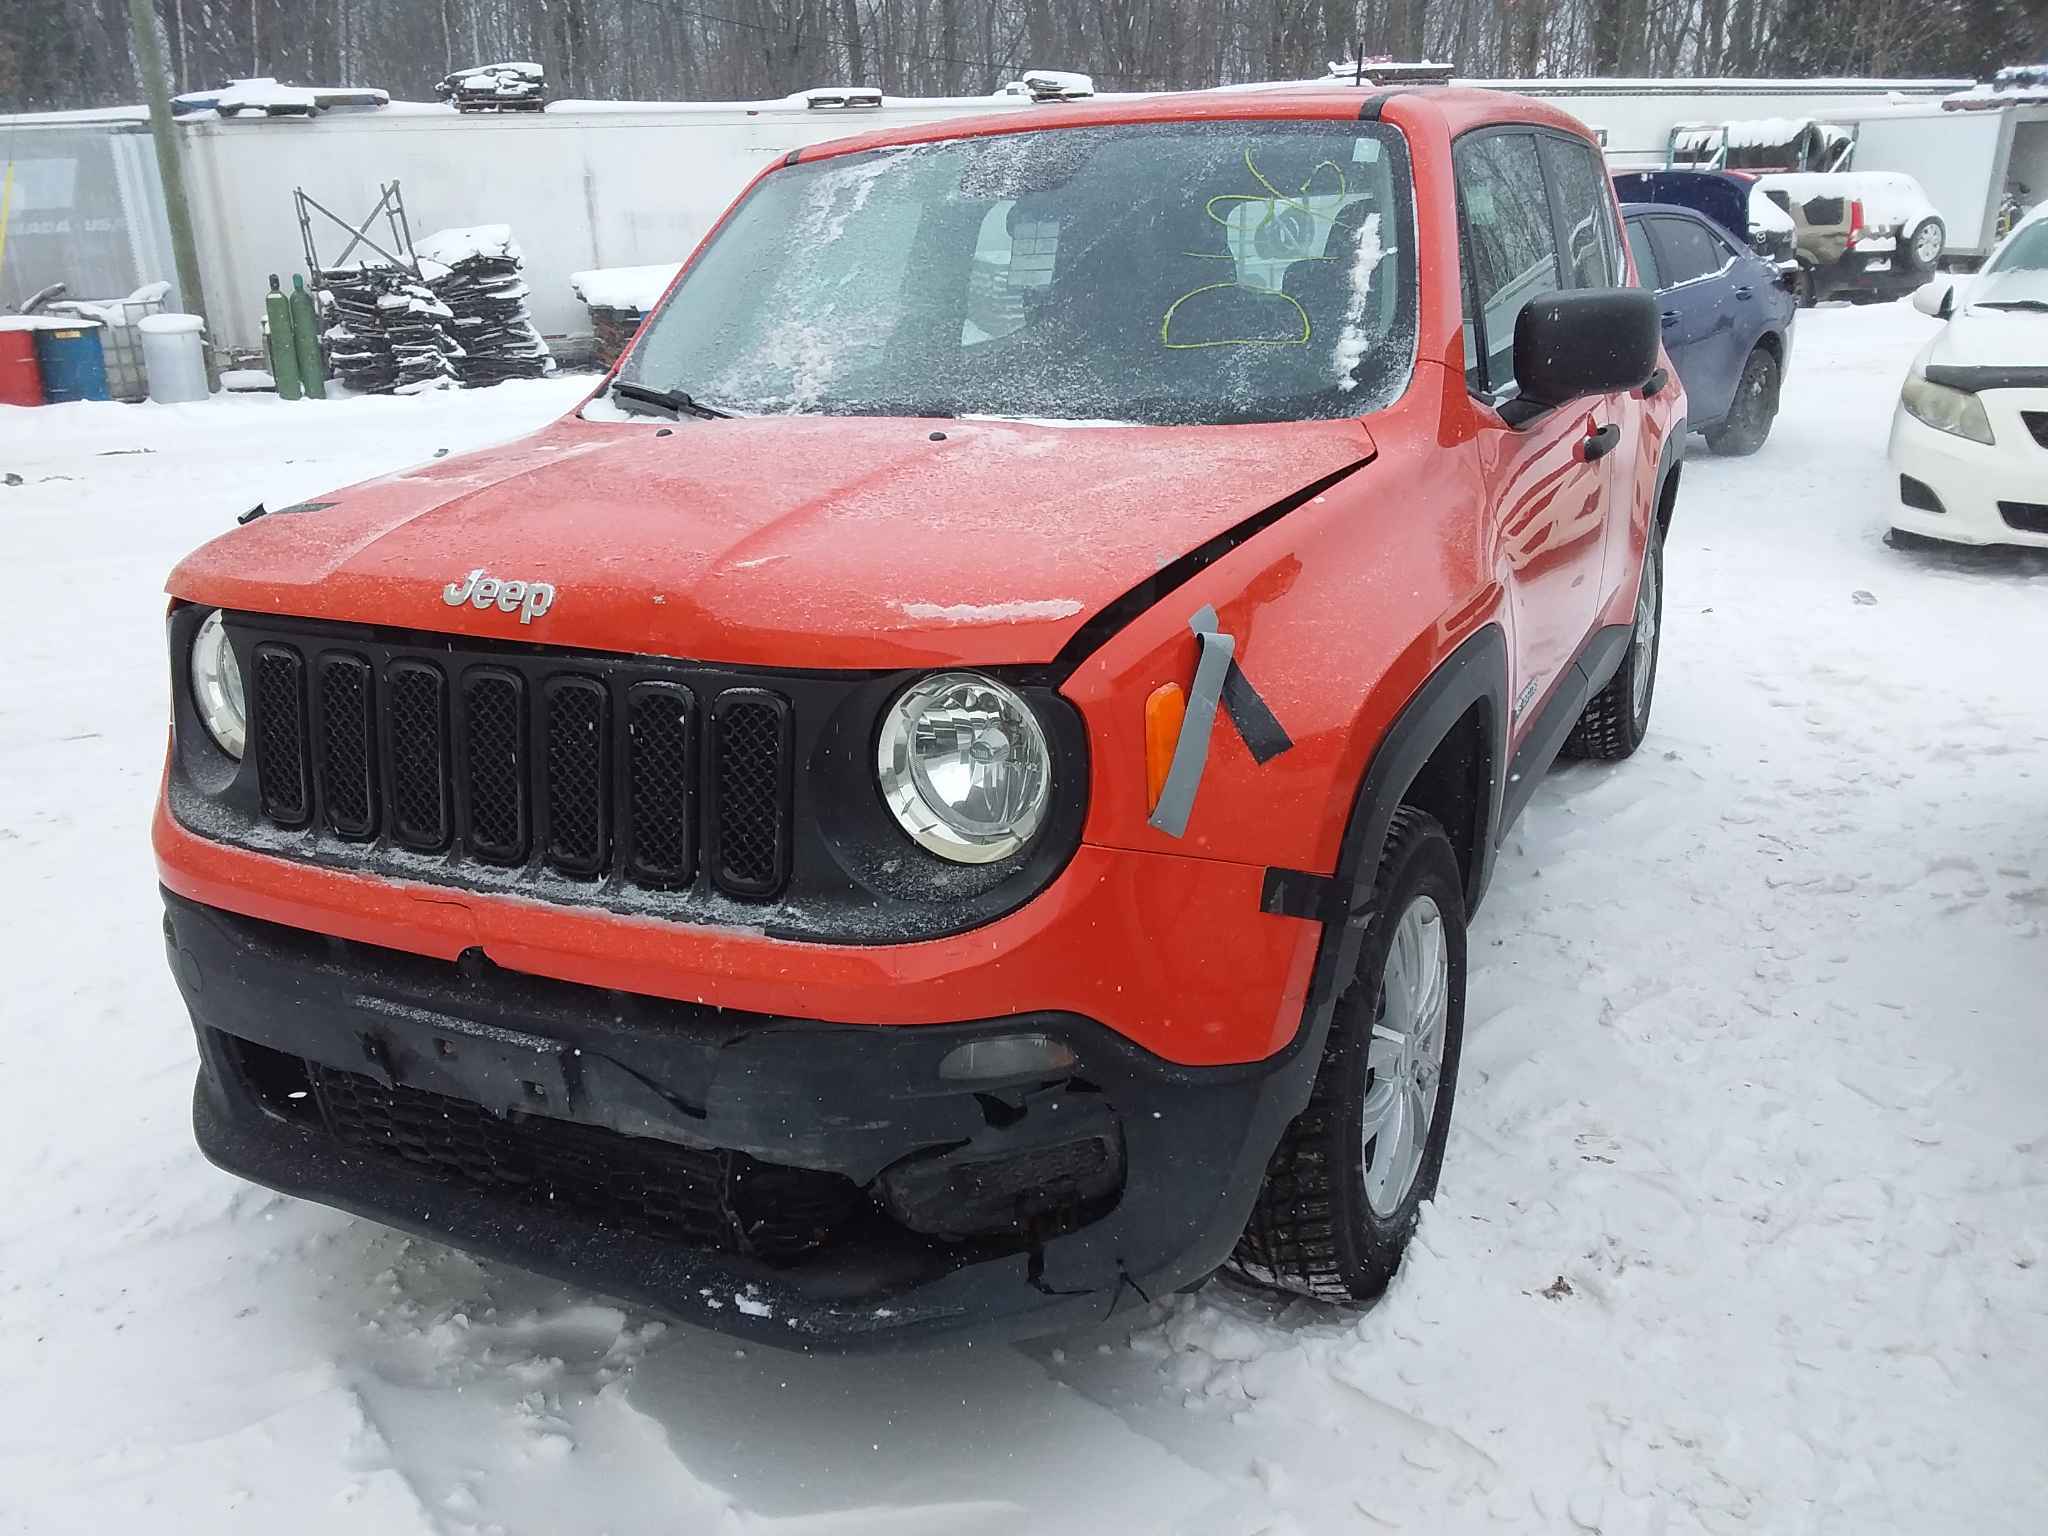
(284, 356)
(306, 340)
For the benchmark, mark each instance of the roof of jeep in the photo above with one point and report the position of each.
(1458, 108)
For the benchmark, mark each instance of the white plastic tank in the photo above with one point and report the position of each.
(174, 357)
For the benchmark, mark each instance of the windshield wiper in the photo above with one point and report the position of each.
(2040, 304)
(674, 401)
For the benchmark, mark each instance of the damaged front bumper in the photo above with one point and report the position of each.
(804, 1184)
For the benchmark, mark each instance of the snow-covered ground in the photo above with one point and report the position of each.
(1744, 1225)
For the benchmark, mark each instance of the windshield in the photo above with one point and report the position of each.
(2019, 273)
(1161, 273)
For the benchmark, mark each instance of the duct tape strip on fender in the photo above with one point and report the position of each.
(1218, 679)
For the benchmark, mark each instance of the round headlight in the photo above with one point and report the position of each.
(965, 768)
(217, 686)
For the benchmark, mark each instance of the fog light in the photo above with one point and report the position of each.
(1006, 1056)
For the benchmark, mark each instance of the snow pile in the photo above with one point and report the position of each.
(516, 87)
(633, 288)
(475, 273)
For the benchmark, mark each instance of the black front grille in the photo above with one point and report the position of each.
(703, 1197)
(585, 767)
(2037, 423)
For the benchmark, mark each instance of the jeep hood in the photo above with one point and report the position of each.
(784, 541)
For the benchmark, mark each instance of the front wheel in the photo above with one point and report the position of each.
(1754, 408)
(1617, 718)
(1346, 1184)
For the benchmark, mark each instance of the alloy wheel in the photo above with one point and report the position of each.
(1406, 1055)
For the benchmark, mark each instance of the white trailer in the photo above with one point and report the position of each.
(1966, 161)
(591, 184)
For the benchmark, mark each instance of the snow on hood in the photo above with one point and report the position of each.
(1992, 338)
(779, 541)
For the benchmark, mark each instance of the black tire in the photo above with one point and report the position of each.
(1615, 721)
(1748, 423)
(1314, 1231)
(1924, 244)
(1804, 288)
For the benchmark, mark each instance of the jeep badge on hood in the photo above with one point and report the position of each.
(530, 599)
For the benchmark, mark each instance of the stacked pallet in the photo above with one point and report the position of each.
(515, 87)
(475, 275)
(385, 331)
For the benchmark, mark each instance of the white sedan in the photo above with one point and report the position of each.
(1970, 435)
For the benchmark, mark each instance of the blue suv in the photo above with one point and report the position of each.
(1727, 320)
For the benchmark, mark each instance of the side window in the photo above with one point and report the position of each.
(1686, 251)
(1508, 247)
(1592, 253)
(1646, 259)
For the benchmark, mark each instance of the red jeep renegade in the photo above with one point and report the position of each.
(951, 790)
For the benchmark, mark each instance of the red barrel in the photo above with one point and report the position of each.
(21, 376)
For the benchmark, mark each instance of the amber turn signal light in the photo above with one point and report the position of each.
(1164, 710)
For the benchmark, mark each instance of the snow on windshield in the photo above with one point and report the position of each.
(1159, 273)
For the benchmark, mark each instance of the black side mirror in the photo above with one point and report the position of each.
(1580, 342)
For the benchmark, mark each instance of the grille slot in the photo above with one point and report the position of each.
(661, 778)
(699, 1196)
(2037, 423)
(577, 775)
(280, 699)
(494, 734)
(416, 704)
(348, 786)
(747, 844)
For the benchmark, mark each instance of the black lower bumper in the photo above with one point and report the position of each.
(803, 1184)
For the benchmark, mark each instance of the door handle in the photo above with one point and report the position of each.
(1742, 292)
(1670, 318)
(1600, 442)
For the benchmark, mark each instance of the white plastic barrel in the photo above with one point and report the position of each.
(174, 356)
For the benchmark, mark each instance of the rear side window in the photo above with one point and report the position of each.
(1646, 258)
(1686, 252)
(1592, 253)
(1508, 249)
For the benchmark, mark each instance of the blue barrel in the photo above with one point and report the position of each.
(74, 367)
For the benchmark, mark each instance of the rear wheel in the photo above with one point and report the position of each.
(1753, 410)
(1346, 1184)
(1924, 245)
(1617, 718)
